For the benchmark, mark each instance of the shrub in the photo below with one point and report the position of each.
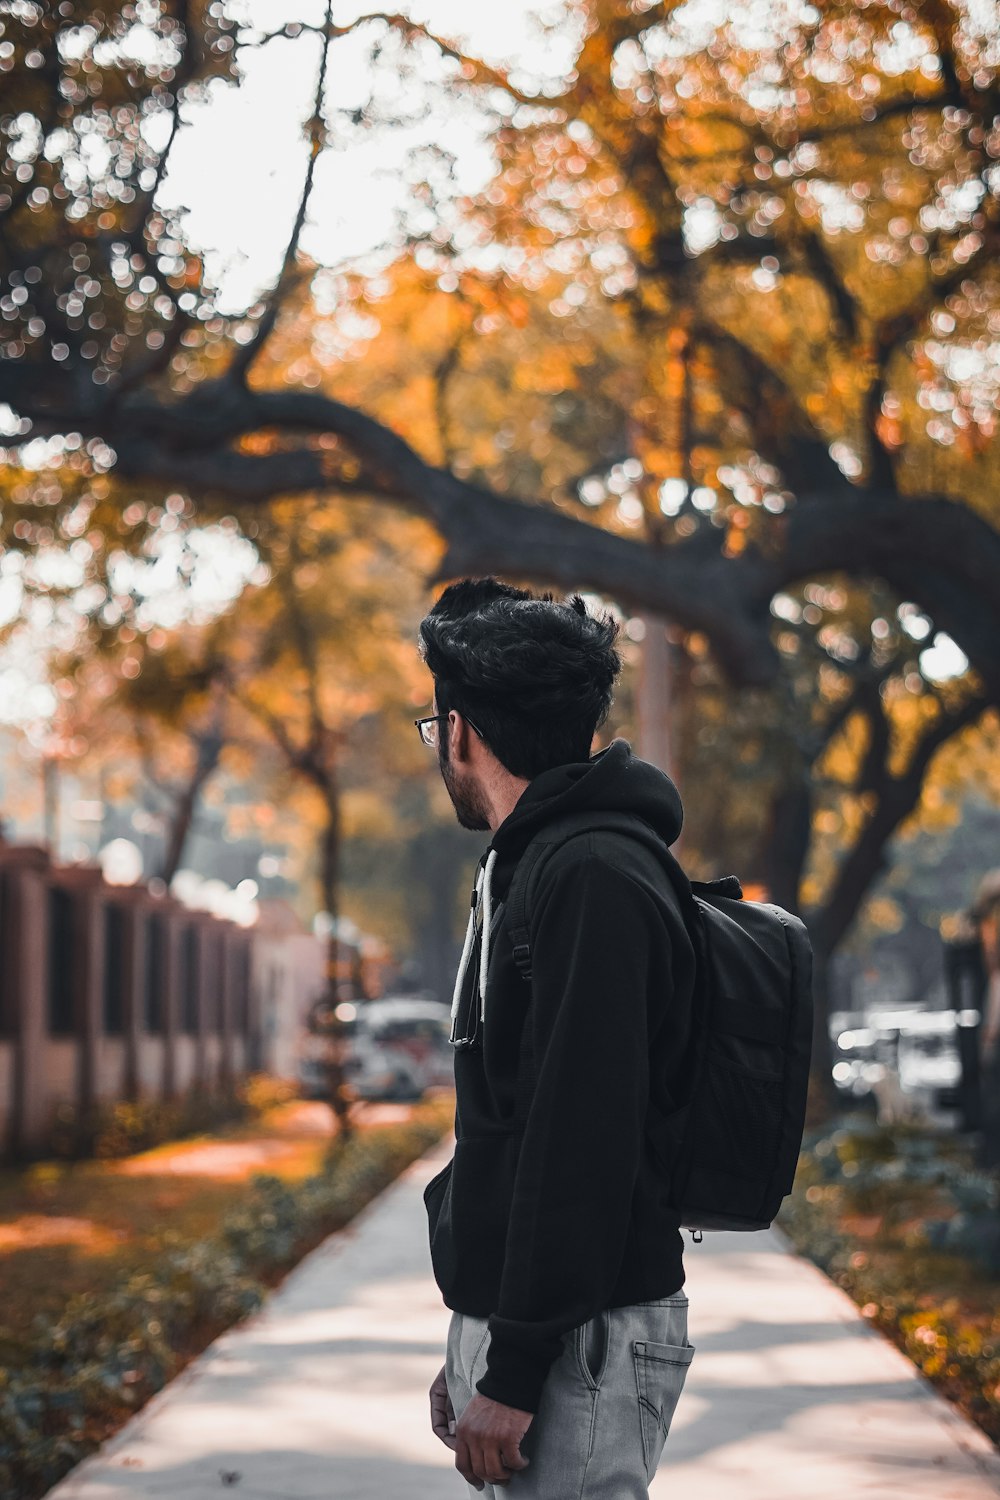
(950, 1235)
(121, 1127)
(107, 1353)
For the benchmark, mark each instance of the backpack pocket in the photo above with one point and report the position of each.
(660, 1373)
(741, 1114)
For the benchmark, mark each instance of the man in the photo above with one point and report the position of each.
(986, 916)
(551, 1239)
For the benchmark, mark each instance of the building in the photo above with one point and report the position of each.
(112, 992)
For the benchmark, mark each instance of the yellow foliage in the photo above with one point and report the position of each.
(884, 913)
(367, 813)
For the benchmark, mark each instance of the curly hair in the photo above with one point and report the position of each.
(536, 676)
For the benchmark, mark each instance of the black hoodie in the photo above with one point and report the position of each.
(555, 1209)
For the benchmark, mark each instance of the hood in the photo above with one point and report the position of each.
(614, 780)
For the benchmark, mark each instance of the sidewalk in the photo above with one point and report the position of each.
(322, 1395)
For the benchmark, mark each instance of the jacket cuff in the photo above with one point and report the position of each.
(514, 1375)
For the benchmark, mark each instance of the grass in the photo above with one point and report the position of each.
(874, 1209)
(81, 1226)
(116, 1273)
(72, 1227)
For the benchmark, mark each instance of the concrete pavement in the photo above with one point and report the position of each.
(323, 1392)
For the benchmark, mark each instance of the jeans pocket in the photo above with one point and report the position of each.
(477, 1365)
(593, 1342)
(660, 1373)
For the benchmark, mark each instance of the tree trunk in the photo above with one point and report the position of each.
(329, 873)
(786, 846)
(438, 863)
(824, 1100)
(209, 750)
(829, 924)
(786, 849)
(329, 877)
(989, 1028)
(655, 697)
(864, 862)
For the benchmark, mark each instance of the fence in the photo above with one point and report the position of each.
(109, 992)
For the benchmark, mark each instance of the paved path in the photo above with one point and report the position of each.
(323, 1392)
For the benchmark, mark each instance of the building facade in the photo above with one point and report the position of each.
(110, 992)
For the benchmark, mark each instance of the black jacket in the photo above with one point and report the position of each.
(553, 1207)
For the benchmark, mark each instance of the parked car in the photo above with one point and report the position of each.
(855, 1066)
(908, 1058)
(398, 1048)
(930, 1068)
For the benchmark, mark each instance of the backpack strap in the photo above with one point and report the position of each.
(726, 885)
(525, 877)
(523, 884)
(520, 895)
(553, 835)
(517, 902)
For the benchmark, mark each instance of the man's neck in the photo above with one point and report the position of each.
(505, 794)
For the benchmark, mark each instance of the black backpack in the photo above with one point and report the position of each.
(731, 1150)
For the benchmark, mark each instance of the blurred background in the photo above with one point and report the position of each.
(694, 308)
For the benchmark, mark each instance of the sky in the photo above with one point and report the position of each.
(238, 165)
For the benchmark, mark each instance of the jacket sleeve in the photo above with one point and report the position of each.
(596, 939)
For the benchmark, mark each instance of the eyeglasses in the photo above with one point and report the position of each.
(427, 728)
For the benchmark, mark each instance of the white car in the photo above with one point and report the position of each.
(922, 1056)
(399, 1048)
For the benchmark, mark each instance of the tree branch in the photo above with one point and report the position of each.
(474, 70)
(898, 797)
(942, 555)
(783, 433)
(245, 356)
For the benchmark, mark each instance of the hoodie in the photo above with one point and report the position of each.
(554, 1204)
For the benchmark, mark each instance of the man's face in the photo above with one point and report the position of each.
(462, 785)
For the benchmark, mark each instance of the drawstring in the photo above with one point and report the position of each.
(484, 953)
(482, 891)
(470, 933)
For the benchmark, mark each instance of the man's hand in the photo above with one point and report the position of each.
(488, 1444)
(442, 1411)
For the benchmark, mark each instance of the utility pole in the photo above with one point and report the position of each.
(656, 697)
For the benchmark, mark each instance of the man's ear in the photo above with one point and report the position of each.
(458, 737)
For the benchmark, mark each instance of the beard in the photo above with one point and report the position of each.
(466, 796)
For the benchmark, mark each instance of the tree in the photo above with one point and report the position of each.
(321, 647)
(176, 712)
(309, 678)
(755, 771)
(795, 230)
(838, 766)
(653, 124)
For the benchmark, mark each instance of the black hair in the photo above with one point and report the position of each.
(535, 676)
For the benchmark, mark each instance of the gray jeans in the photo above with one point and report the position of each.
(606, 1405)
